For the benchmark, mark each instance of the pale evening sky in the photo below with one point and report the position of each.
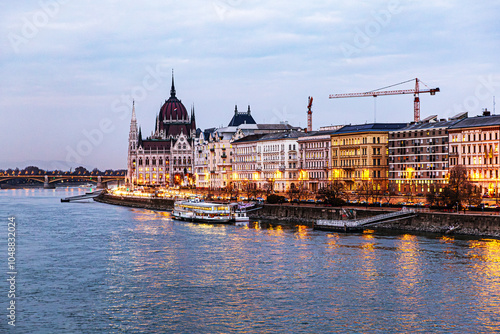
(70, 69)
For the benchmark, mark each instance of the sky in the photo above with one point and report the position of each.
(70, 69)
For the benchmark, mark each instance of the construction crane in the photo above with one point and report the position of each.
(379, 92)
(309, 114)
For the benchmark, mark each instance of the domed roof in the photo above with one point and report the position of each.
(173, 109)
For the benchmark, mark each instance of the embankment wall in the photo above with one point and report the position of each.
(468, 224)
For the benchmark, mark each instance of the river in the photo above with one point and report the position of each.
(87, 267)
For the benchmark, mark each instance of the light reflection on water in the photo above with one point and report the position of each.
(93, 268)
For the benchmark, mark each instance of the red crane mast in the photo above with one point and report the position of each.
(379, 92)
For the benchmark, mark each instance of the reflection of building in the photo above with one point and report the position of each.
(474, 144)
(418, 161)
(166, 157)
(267, 161)
(359, 154)
(315, 154)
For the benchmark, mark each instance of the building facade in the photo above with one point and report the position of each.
(267, 161)
(315, 158)
(214, 154)
(360, 155)
(474, 144)
(419, 160)
(165, 157)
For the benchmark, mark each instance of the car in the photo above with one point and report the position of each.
(319, 201)
(354, 201)
(363, 203)
(310, 201)
(287, 200)
(486, 195)
(420, 195)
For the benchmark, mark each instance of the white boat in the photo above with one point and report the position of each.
(196, 211)
(240, 214)
(202, 212)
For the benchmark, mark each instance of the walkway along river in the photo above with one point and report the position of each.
(434, 222)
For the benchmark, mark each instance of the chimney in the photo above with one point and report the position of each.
(486, 112)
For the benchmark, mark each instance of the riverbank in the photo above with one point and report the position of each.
(428, 222)
(152, 203)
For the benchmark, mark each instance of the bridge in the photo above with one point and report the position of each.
(360, 224)
(49, 180)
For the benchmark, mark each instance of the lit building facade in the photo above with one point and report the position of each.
(418, 156)
(474, 144)
(315, 158)
(360, 155)
(267, 161)
(214, 154)
(166, 157)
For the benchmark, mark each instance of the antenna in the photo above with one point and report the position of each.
(493, 104)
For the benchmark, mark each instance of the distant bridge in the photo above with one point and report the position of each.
(49, 180)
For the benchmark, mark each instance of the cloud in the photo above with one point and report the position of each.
(272, 55)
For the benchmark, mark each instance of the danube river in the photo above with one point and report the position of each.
(94, 268)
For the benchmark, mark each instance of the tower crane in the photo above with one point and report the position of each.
(379, 92)
(309, 114)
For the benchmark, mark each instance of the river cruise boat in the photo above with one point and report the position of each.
(203, 212)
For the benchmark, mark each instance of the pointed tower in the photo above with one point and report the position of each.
(132, 147)
(172, 89)
(193, 123)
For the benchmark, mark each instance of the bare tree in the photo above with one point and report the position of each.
(458, 188)
(334, 193)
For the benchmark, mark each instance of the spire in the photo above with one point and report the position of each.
(157, 126)
(235, 109)
(140, 137)
(133, 111)
(248, 111)
(172, 90)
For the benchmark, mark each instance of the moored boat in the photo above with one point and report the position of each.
(197, 211)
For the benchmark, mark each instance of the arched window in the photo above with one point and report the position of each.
(140, 161)
(147, 161)
(175, 161)
(154, 162)
(160, 161)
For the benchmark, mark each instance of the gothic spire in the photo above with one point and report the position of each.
(235, 109)
(140, 137)
(248, 111)
(172, 90)
(133, 111)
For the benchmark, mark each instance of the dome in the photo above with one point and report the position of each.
(173, 109)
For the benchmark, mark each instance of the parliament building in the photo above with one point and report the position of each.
(166, 157)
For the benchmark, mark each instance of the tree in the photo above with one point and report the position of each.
(458, 188)
(334, 193)
(297, 191)
(472, 194)
(390, 192)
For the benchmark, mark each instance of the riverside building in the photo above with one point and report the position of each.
(315, 158)
(474, 144)
(267, 161)
(214, 154)
(418, 156)
(165, 157)
(360, 155)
